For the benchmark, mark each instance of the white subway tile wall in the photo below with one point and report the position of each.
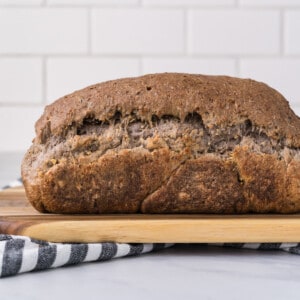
(137, 31)
(49, 48)
(93, 2)
(188, 2)
(291, 32)
(17, 126)
(281, 73)
(43, 31)
(66, 75)
(189, 65)
(233, 32)
(270, 3)
(21, 2)
(21, 80)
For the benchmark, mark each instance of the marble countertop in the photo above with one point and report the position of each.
(181, 272)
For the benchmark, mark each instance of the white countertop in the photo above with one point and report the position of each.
(181, 272)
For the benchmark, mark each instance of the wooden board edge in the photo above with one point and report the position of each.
(162, 231)
(12, 227)
(26, 213)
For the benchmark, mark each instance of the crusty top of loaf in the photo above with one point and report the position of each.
(221, 101)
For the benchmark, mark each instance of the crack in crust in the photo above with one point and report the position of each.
(94, 138)
(140, 210)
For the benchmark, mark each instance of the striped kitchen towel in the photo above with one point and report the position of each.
(19, 254)
(15, 183)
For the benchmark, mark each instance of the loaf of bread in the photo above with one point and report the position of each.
(166, 143)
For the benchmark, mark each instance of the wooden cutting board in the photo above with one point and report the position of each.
(18, 217)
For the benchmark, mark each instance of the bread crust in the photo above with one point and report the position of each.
(220, 100)
(167, 171)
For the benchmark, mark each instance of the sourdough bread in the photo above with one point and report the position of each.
(166, 143)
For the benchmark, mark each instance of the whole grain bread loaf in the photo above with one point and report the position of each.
(166, 143)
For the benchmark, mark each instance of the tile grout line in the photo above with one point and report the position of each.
(140, 5)
(281, 33)
(89, 31)
(205, 55)
(185, 32)
(44, 80)
(20, 104)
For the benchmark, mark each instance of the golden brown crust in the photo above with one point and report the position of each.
(220, 100)
(248, 182)
(262, 177)
(292, 185)
(179, 167)
(113, 184)
(204, 185)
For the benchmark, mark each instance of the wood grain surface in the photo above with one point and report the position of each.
(18, 217)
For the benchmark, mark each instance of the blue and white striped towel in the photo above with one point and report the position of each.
(19, 254)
